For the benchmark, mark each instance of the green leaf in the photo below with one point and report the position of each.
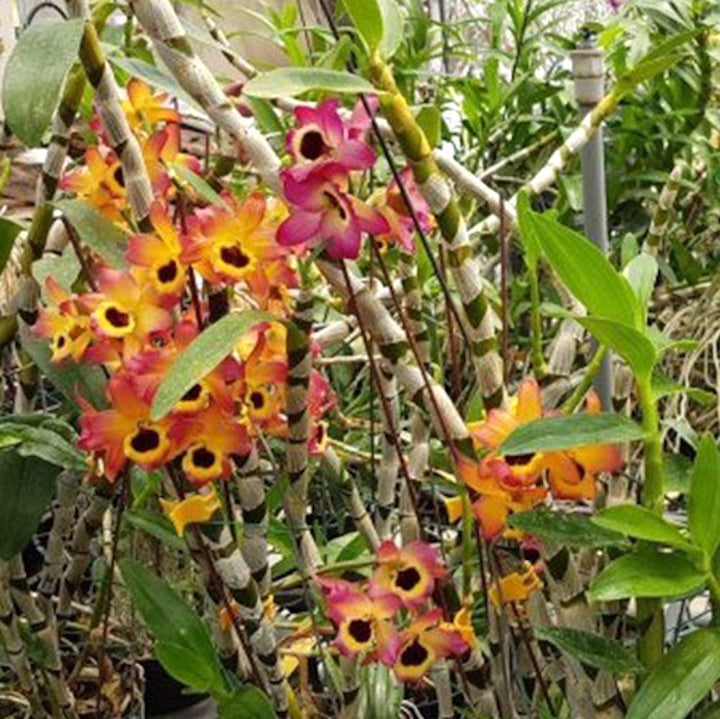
(71, 379)
(27, 485)
(291, 81)
(64, 269)
(593, 650)
(95, 231)
(572, 530)
(680, 679)
(646, 70)
(662, 386)
(430, 121)
(44, 444)
(393, 28)
(367, 19)
(704, 499)
(577, 430)
(584, 270)
(182, 641)
(641, 523)
(246, 703)
(157, 526)
(199, 186)
(641, 272)
(9, 230)
(201, 356)
(630, 343)
(647, 574)
(35, 74)
(265, 115)
(528, 231)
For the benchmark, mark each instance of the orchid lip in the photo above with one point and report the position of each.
(407, 579)
(312, 145)
(360, 630)
(234, 256)
(168, 272)
(414, 655)
(203, 458)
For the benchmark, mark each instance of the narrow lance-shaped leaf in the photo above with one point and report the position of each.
(572, 530)
(641, 523)
(291, 81)
(591, 649)
(680, 679)
(704, 500)
(201, 356)
(584, 270)
(578, 430)
(647, 574)
(367, 19)
(34, 76)
(9, 230)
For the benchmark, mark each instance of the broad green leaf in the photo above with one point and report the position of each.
(577, 430)
(584, 270)
(641, 272)
(591, 649)
(665, 387)
(680, 679)
(572, 530)
(367, 19)
(265, 115)
(35, 73)
(9, 230)
(44, 444)
(291, 81)
(64, 269)
(677, 471)
(181, 637)
(201, 356)
(647, 574)
(640, 523)
(393, 28)
(646, 70)
(704, 499)
(27, 485)
(95, 231)
(630, 343)
(72, 380)
(430, 120)
(199, 186)
(246, 703)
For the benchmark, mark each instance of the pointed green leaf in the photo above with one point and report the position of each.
(630, 343)
(27, 485)
(528, 231)
(182, 641)
(96, 231)
(393, 28)
(571, 530)
(430, 121)
(199, 185)
(291, 81)
(593, 650)
(45, 444)
(201, 356)
(246, 703)
(647, 574)
(577, 430)
(35, 74)
(664, 387)
(704, 499)
(680, 679)
(641, 272)
(640, 523)
(9, 230)
(367, 19)
(584, 270)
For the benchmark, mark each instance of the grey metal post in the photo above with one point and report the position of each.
(589, 76)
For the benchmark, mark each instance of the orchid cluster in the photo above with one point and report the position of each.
(136, 320)
(388, 619)
(519, 483)
(325, 153)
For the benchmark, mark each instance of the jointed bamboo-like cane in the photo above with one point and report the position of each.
(663, 212)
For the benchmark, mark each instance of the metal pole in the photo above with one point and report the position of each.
(589, 76)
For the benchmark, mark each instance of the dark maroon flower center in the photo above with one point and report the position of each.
(168, 272)
(312, 145)
(234, 256)
(516, 460)
(407, 579)
(414, 655)
(203, 458)
(119, 177)
(257, 399)
(360, 630)
(145, 440)
(336, 204)
(117, 318)
(192, 394)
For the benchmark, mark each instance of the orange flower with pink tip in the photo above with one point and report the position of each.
(229, 245)
(100, 181)
(211, 438)
(364, 626)
(408, 573)
(126, 310)
(63, 323)
(161, 152)
(125, 432)
(143, 108)
(157, 256)
(426, 641)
